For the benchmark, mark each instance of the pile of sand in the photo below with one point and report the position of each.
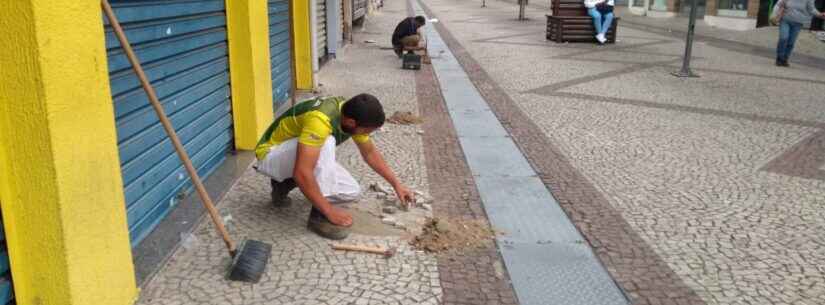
(440, 235)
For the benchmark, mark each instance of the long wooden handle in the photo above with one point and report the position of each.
(359, 248)
(193, 174)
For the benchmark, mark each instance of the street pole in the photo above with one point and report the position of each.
(686, 72)
(483, 3)
(521, 4)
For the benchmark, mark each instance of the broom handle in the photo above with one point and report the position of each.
(193, 174)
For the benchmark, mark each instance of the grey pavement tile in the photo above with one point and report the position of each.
(477, 123)
(559, 273)
(521, 209)
(495, 156)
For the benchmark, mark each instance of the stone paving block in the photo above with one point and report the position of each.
(491, 157)
(541, 264)
(459, 99)
(535, 205)
(477, 123)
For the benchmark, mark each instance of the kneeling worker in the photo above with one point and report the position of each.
(406, 35)
(298, 149)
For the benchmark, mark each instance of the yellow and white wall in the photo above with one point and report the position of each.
(60, 178)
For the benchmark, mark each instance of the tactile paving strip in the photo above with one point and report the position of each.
(546, 257)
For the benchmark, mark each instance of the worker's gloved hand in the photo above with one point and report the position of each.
(405, 195)
(339, 217)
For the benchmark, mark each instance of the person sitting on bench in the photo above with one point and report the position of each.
(602, 13)
(298, 150)
(406, 35)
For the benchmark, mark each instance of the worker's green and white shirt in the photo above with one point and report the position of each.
(311, 121)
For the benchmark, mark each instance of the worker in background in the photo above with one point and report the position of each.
(406, 36)
(298, 150)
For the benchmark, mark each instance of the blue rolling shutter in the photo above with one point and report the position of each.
(6, 291)
(359, 9)
(182, 46)
(321, 28)
(280, 34)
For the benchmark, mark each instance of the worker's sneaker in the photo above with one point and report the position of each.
(280, 192)
(319, 224)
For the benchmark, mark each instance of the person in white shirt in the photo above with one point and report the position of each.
(602, 13)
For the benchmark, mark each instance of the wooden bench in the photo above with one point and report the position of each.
(570, 22)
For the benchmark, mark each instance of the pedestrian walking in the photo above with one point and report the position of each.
(790, 15)
(818, 24)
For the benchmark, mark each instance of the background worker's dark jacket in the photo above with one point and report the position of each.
(405, 28)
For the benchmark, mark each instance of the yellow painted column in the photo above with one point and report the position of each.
(249, 67)
(302, 36)
(60, 182)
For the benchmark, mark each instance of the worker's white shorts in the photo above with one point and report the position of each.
(336, 183)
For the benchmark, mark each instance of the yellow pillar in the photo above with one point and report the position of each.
(60, 184)
(302, 36)
(249, 67)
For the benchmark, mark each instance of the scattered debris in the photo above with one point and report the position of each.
(389, 220)
(422, 198)
(427, 207)
(404, 118)
(228, 222)
(389, 210)
(189, 241)
(420, 132)
(440, 235)
(498, 269)
(379, 188)
(369, 41)
(442, 226)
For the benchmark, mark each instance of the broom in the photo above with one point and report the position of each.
(249, 263)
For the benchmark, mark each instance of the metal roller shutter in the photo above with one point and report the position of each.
(6, 291)
(182, 45)
(333, 27)
(321, 13)
(359, 9)
(279, 51)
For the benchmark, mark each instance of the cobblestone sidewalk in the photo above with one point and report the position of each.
(303, 268)
(696, 191)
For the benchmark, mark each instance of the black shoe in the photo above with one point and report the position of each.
(784, 63)
(280, 192)
(319, 224)
(398, 52)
